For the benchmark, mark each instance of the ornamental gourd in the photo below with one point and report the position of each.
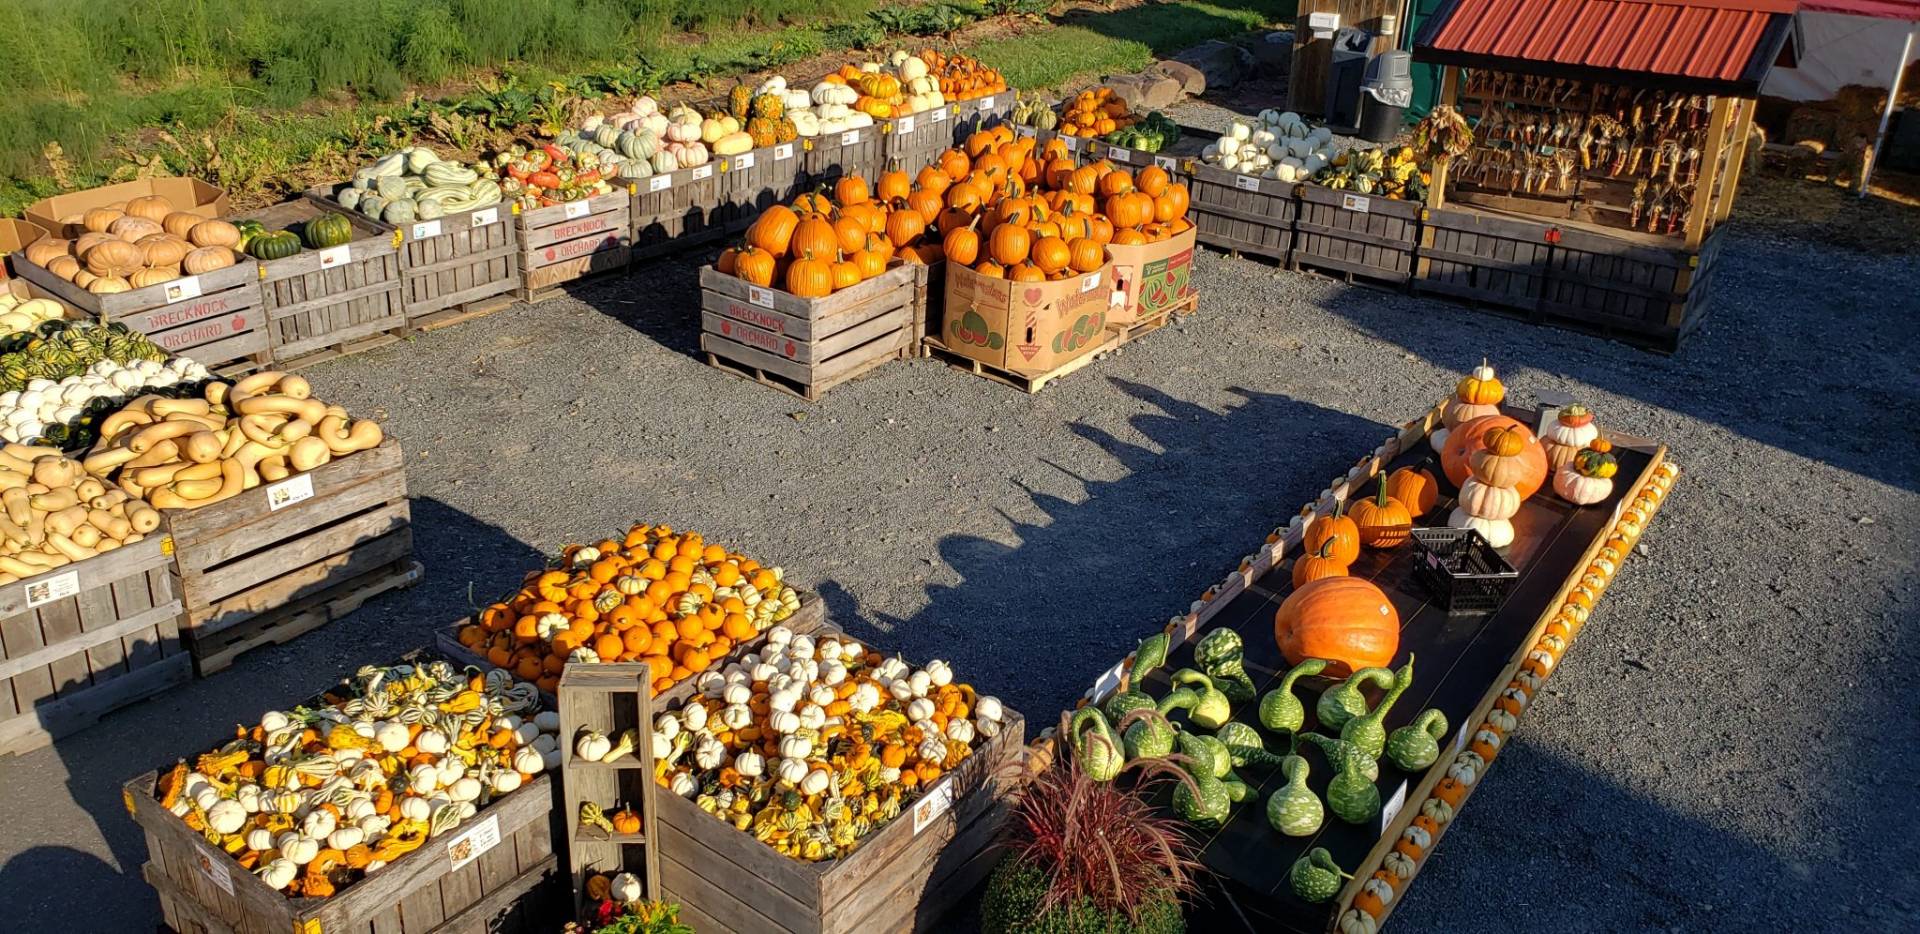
(1280, 710)
(1572, 428)
(1293, 808)
(1344, 701)
(1464, 441)
(1587, 477)
(1345, 620)
(1417, 745)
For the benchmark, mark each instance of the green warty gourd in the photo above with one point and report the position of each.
(1282, 712)
(1293, 809)
(1416, 746)
(1368, 732)
(1343, 701)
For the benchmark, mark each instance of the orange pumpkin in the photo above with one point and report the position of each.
(1415, 488)
(809, 277)
(1346, 620)
(1462, 442)
(773, 230)
(962, 244)
(1317, 565)
(1383, 521)
(1010, 244)
(754, 265)
(1337, 529)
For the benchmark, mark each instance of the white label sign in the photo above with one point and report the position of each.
(939, 115)
(1246, 183)
(336, 256)
(903, 125)
(1359, 204)
(783, 152)
(1073, 143)
(743, 161)
(760, 296)
(702, 171)
(181, 289)
(986, 104)
(1392, 808)
(1109, 681)
(928, 809)
(473, 842)
(578, 208)
(216, 872)
(485, 217)
(1120, 154)
(424, 229)
(1166, 163)
(849, 137)
(289, 491)
(659, 182)
(1026, 131)
(1323, 22)
(1090, 283)
(57, 587)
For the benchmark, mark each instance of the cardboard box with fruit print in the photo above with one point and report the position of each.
(1151, 278)
(1030, 328)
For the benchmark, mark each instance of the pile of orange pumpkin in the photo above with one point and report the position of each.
(962, 77)
(1095, 112)
(658, 596)
(994, 204)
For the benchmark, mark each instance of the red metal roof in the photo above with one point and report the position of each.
(1718, 41)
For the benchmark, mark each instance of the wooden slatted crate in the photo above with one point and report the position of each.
(806, 346)
(254, 573)
(216, 319)
(850, 152)
(980, 113)
(1356, 235)
(902, 878)
(1623, 287)
(15, 236)
(608, 698)
(496, 873)
(676, 211)
(1242, 213)
(86, 639)
(754, 181)
(1483, 258)
(913, 140)
(319, 303)
(564, 242)
(459, 267)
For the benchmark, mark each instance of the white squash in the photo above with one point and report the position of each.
(625, 888)
(278, 874)
(226, 816)
(592, 746)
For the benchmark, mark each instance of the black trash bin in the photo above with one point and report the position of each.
(1385, 95)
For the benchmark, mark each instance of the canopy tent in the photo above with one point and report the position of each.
(1907, 13)
(1844, 42)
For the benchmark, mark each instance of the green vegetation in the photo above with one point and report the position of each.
(265, 99)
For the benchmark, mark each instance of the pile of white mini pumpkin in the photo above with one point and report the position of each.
(1275, 145)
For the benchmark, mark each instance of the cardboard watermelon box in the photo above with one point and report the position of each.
(1031, 328)
(1152, 278)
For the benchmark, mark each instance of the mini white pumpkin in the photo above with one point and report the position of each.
(625, 888)
(750, 764)
(226, 816)
(506, 781)
(279, 873)
(346, 838)
(592, 746)
(259, 840)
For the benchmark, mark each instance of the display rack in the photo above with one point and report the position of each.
(609, 698)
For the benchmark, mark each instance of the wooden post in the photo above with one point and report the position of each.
(1730, 186)
(1701, 211)
(1449, 97)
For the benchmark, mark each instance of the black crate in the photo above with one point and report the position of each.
(1461, 571)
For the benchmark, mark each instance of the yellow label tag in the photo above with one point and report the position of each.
(516, 208)
(398, 238)
(308, 926)
(632, 188)
(126, 795)
(166, 545)
(808, 143)
(263, 272)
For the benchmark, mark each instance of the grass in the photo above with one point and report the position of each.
(264, 99)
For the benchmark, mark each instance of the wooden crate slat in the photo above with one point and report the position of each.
(811, 309)
(195, 525)
(678, 210)
(47, 722)
(228, 564)
(797, 380)
(807, 352)
(610, 220)
(354, 558)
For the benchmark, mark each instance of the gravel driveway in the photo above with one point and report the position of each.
(1723, 749)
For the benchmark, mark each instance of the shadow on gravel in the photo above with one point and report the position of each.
(1110, 564)
(42, 887)
(1822, 379)
(660, 299)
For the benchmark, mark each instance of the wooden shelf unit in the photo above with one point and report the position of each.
(609, 698)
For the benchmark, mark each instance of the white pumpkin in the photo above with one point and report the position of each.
(346, 838)
(278, 874)
(226, 816)
(592, 746)
(506, 781)
(528, 761)
(1497, 532)
(1579, 489)
(750, 764)
(625, 888)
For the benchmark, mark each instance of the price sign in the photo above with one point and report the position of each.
(289, 491)
(760, 296)
(660, 182)
(849, 137)
(57, 587)
(1073, 143)
(903, 125)
(986, 104)
(1090, 283)
(474, 842)
(939, 115)
(702, 171)
(783, 152)
(577, 209)
(1359, 204)
(424, 229)
(216, 873)
(181, 289)
(1109, 681)
(484, 217)
(1392, 806)
(929, 808)
(1165, 163)
(336, 256)
(743, 161)
(1246, 183)
(1120, 154)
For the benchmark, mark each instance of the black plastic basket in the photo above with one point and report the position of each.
(1461, 571)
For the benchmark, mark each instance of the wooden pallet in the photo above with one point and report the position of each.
(608, 698)
(1024, 382)
(564, 242)
(1356, 236)
(505, 887)
(676, 211)
(807, 346)
(215, 319)
(112, 640)
(253, 575)
(902, 877)
(316, 300)
(461, 313)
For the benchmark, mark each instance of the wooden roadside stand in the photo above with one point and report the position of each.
(1608, 141)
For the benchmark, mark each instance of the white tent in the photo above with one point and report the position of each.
(1838, 49)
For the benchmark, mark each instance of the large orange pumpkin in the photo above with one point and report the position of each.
(1345, 620)
(1466, 439)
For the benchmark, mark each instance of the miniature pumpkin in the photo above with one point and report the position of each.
(1383, 521)
(1464, 441)
(1415, 488)
(1317, 565)
(626, 820)
(1336, 528)
(1345, 620)
(1570, 431)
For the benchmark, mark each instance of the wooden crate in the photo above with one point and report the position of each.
(503, 880)
(806, 346)
(929, 293)
(608, 698)
(1624, 287)
(15, 236)
(676, 211)
(86, 639)
(1356, 235)
(459, 267)
(252, 574)
(980, 113)
(216, 319)
(851, 152)
(903, 877)
(914, 140)
(1242, 213)
(564, 242)
(754, 181)
(319, 300)
(1482, 258)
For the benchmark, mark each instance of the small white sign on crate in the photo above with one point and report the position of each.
(297, 489)
(1246, 182)
(1108, 682)
(702, 171)
(1118, 153)
(1167, 163)
(903, 125)
(215, 871)
(986, 104)
(336, 256)
(783, 152)
(939, 115)
(424, 229)
(1090, 283)
(473, 842)
(1359, 204)
(485, 217)
(744, 160)
(578, 208)
(660, 182)
(760, 296)
(1391, 809)
(57, 587)
(929, 808)
(181, 289)
(849, 137)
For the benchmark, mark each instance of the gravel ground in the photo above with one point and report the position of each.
(1721, 750)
